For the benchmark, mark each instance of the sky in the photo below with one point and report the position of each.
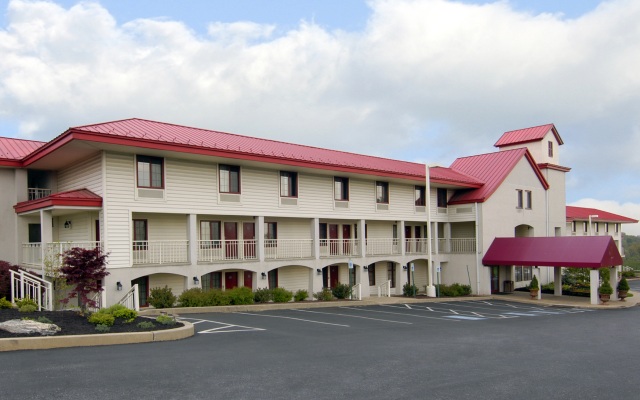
(417, 80)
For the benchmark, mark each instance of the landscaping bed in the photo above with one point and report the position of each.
(71, 323)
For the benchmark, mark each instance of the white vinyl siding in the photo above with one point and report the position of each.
(293, 278)
(83, 175)
(81, 227)
(463, 230)
(164, 226)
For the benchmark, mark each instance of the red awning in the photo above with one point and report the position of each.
(568, 251)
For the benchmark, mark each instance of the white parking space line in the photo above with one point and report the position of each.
(399, 313)
(357, 316)
(225, 328)
(295, 319)
(454, 312)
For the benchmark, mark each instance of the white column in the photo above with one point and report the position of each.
(536, 273)
(260, 239)
(402, 238)
(594, 277)
(557, 281)
(192, 237)
(434, 230)
(315, 235)
(447, 236)
(431, 289)
(363, 241)
(362, 277)
(401, 277)
(46, 232)
(315, 281)
(613, 280)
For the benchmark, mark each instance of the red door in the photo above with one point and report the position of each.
(346, 239)
(407, 238)
(230, 280)
(248, 279)
(333, 276)
(231, 240)
(333, 240)
(249, 238)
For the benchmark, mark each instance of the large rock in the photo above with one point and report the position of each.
(29, 326)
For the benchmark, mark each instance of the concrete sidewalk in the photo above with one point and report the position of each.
(568, 301)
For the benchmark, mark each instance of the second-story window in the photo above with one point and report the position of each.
(573, 226)
(606, 227)
(585, 226)
(520, 198)
(617, 226)
(149, 171)
(420, 196)
(382, 192)
(529, 199)
(229, 178)
(341, 188)
(288, 184)
(596, 227)
(550, 148)
(271, 234)
(442, 197)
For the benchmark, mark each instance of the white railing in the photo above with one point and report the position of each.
(100, 300)
(131, 299)
(26, 285)
(416, 246)
(382, 246)
(285, 249)
(457, 246)
(356, 292)
(37, 193)
(57, 248)
(32, 254)
(339, 247)
(225, 250)
(384, 289)
(160, 251)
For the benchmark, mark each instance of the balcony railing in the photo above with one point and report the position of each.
(160, 251)
(37, 193)
(416, 246)
(382, 247)
(226, 250)
(339, 247)
(32, 252)
(286, 249)
(457, 246)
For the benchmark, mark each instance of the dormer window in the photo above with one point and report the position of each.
(550, 148)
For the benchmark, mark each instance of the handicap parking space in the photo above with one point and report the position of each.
(368, 317)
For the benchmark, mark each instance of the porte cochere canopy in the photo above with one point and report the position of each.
(557, 251)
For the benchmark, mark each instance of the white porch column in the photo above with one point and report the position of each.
(315, 235)
(363, 241)
(613, 280)
(315, 281)
(401, 277)
(260, 239)
(594, 278)
(362, 277)
(431, 289)
(192, 237)
(447, 237)
(557, 281)
(260, 282)
(403, 246)
(436, 243)
(46, 232)
(536, 273)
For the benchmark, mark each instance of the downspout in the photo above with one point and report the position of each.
(477, 251)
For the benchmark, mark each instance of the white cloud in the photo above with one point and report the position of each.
(426, 79)
(630, 210)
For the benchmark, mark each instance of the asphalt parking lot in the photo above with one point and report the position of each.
(456, 350)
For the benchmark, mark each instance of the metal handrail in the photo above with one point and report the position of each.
(387, 288)
(131, 299)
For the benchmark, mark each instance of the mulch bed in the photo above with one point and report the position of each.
(71, 323)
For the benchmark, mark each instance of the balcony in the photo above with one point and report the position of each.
(288, 249)
(457, 246)
(38, 193)
(32, 253)
(226, 250)
(160, 252)
(339, 248)
(382, 247)
(416, 246)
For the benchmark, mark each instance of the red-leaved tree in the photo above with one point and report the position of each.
(5, 278)
(83, 269)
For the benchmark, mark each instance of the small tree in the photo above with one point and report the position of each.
(83, 269)
(5, 278)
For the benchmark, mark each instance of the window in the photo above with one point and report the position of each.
(527, 273)
(229, 179)
(323, 234)
(420, 196)
(273, 279)
(596, 227)
(520, 199)
(606, 227)
(573, 226)
(518, 274)
(149, 170)
(585, 226)
(617, 226)
(212, 280)
(395, 231)
(382, 192)
(140, 234)
(271, 234)
(550, 148)
(391, 273)
(210, 234)
(288, 184)
(442, 197)
(341, 188)
(372, 274)
(529, 199)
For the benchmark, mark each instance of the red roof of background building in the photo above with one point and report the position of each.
(492, 169)
(13, 150)
(555, 251)
(72, 198)
(448, 176)
(582, 214)
(527, 135)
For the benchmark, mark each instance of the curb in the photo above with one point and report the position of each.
(106, 339)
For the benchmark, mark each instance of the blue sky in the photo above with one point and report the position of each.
(417, 80)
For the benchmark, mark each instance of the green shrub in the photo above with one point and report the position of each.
(281, 295)
(454, 290)
(301, 295)
(341, 291)
(548, 287)
(240, 296)
(26, 301)
(628, 274)
(162, 297)
(103, 328)
(262, 295)
(44, 320)
(166, 320)
(605, 288)
(4, 303)
(409, 290)
(146, 325)
(534, 283)
(217, 297)
(28, 308)
(193, 298)
(101, 318)
(324, 295)
(126, 314)
(623, 284)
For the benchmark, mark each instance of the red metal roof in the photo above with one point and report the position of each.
(582, 214)
(526, 135)
(492, 169)
(13, 150)
(449, 176)
(557, 251)
(72, 198)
